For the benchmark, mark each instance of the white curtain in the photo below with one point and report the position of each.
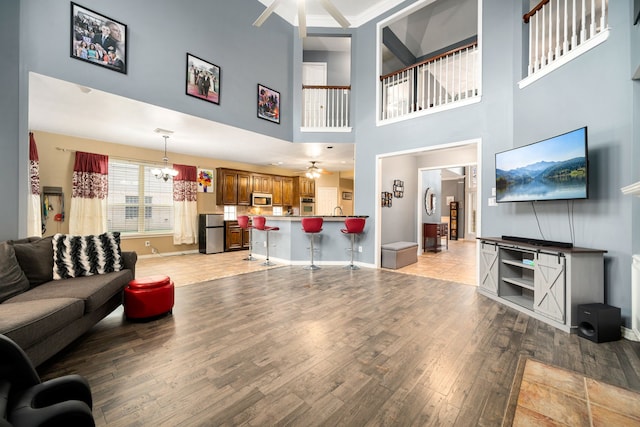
(185, 205)
(34, 208)
(88, 212)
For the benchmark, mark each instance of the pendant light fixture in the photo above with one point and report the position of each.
(313, 172)
(166, 172)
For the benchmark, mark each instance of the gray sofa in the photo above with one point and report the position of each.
(43, 315)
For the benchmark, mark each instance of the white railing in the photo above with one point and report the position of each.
(444, 79)
(325, 107)
(556, 27)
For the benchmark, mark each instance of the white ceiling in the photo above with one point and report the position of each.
(357, 12)
(65, 108)
(62, 107)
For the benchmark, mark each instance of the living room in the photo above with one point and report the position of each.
(506, 117)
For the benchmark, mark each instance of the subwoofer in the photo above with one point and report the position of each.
(599, 322)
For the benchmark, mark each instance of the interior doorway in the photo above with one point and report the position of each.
(315, 74)
(465, 154)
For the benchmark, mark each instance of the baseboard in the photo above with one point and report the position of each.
(159, 255)
(628, 334)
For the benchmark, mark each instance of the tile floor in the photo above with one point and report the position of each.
(457, 264)
(554, 396)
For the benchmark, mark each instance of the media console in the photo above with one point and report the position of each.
(546, 282)
(537, 242)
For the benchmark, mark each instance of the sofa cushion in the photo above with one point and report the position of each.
(12, 278)
(75, 256)
(36, 259)
(93, 290)
(28, 322)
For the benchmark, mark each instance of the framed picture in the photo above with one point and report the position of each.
(205, 180)
(268, 104)
(203, 79)
(98, 39)
(347, 195)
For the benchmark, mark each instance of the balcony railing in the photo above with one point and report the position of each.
(448, 78)
(558, 27)
(326, 108)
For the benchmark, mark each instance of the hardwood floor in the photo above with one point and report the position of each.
(285, 346)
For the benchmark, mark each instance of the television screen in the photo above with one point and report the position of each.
(552, 169)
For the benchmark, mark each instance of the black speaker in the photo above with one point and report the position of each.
(599, 322)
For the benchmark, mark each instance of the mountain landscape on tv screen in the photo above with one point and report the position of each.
(543, 180)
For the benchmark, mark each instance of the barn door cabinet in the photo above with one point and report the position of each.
(546, 282)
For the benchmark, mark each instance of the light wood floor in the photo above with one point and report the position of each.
(285, 346)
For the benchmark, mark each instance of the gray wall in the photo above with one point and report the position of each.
(398, 223)
(338, 65)
(163, 31)
(9, 119)
(507, 116)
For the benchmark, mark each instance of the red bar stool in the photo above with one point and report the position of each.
(243, 222)
(312, 226)
(259, 224)
(353, 226)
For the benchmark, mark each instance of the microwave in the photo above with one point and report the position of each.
(261, 199)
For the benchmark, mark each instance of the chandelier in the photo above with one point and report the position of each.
(166, 172)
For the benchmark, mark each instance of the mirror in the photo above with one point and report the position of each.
(429, 201)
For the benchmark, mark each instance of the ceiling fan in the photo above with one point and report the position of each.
(302, 16)
(313, 171)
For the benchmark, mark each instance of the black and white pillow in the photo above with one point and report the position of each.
(75, 256)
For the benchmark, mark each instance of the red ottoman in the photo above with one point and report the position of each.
(148, 297)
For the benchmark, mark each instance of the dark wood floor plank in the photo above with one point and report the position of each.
(333, 347)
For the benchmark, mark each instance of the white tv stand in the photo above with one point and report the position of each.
(545, 282)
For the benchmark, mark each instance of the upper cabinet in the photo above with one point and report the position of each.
(262, 183)
(306, 187)
(283, 191)
(233, 187)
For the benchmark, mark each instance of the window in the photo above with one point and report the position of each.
(137, 201)
(230, 213)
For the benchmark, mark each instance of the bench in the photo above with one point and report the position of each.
(399, 254)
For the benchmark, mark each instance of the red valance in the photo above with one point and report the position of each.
(88, 162)
(185, 173)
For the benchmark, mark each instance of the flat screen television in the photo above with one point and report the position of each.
(552, 169)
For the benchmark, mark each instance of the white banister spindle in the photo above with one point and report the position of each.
(550, 52)
(557, 29)
(543, 58)
(592, 26)
(536, 42)
(565, 42)
(583, 23)
(574, 26)
(603, 15)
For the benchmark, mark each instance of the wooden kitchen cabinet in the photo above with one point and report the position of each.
(261, 183)
(233, 187)
(306, 187)
(282, 191)
(235, 238)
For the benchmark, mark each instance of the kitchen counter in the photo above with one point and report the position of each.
(290, 244)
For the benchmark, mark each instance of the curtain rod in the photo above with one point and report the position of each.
(129, 159)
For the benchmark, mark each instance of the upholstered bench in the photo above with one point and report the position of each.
(148, 297)
(399, 254)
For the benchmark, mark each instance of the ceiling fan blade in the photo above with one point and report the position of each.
(339, 17)
(267, 12)
(302, 20)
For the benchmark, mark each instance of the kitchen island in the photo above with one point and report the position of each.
(290, 244)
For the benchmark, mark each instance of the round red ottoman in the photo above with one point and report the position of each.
(148, 297)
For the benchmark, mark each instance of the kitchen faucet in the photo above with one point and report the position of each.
(339, 208)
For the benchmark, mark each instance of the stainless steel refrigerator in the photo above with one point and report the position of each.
(211, 233)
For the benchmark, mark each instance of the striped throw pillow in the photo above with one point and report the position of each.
(75, 256)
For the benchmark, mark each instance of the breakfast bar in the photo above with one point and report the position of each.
(290, 244)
